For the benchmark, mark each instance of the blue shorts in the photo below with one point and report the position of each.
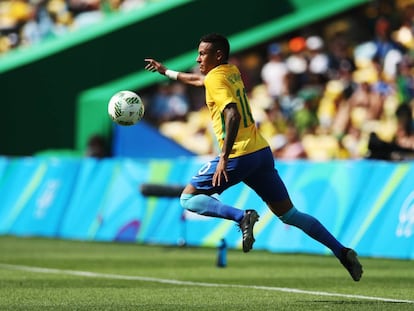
(257, 170)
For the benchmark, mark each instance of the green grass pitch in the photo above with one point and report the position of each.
(49, 274)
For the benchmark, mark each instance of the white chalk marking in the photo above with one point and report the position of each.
(190, 283)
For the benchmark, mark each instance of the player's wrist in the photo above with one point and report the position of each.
(224, 156)
(173, 75)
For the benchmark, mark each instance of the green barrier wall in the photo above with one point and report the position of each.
(40, 86)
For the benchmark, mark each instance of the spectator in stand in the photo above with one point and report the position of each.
(354, 144)
(402, 146)
(365, 104)
(383, 40)
(85, 12)
(340, 60)
(404, 35)
(39, 27)
(274, 71)
(333, 108)
(405, 127)
(305, 119)
(293, 148)
(404, 80)
(168, 104)
(388, 52)
(317, 64)
(126, 5)
(268, 116)
(297, 62)
(61, 16)
(13, 15)
(295, 79)
(290, 102)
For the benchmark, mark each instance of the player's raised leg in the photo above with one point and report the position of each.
(312, 227)
(207, 205)
(271, 188)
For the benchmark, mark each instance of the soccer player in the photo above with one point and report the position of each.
(245, 155)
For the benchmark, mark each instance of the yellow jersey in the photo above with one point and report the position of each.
(223, 86)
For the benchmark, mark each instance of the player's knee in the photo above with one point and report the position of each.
(281, 208)
(184, 199)
(288, 216)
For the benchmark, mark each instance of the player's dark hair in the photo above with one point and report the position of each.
(219, 42)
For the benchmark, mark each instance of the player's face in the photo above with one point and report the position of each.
(208, 58)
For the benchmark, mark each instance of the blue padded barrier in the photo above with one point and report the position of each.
(368, 205)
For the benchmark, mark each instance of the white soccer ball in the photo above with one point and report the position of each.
(126, 108)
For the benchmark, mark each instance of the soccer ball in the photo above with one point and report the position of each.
(126, 108)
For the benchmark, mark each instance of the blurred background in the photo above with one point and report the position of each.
(326, 80)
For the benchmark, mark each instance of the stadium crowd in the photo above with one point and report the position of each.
(344, 91)
(342, 88)
(27, 22)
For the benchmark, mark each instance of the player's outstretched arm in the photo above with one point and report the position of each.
(188, 78)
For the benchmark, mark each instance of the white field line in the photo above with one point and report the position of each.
(189, 283)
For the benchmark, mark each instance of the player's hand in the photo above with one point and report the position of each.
(154, 66)
(221, 172)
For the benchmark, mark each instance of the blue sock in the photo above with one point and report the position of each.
(208, 206)
(312, 227)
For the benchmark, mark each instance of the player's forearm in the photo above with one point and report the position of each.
(232, 123)
(188, 78)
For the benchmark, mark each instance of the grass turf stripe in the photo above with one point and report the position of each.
(190, 283)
